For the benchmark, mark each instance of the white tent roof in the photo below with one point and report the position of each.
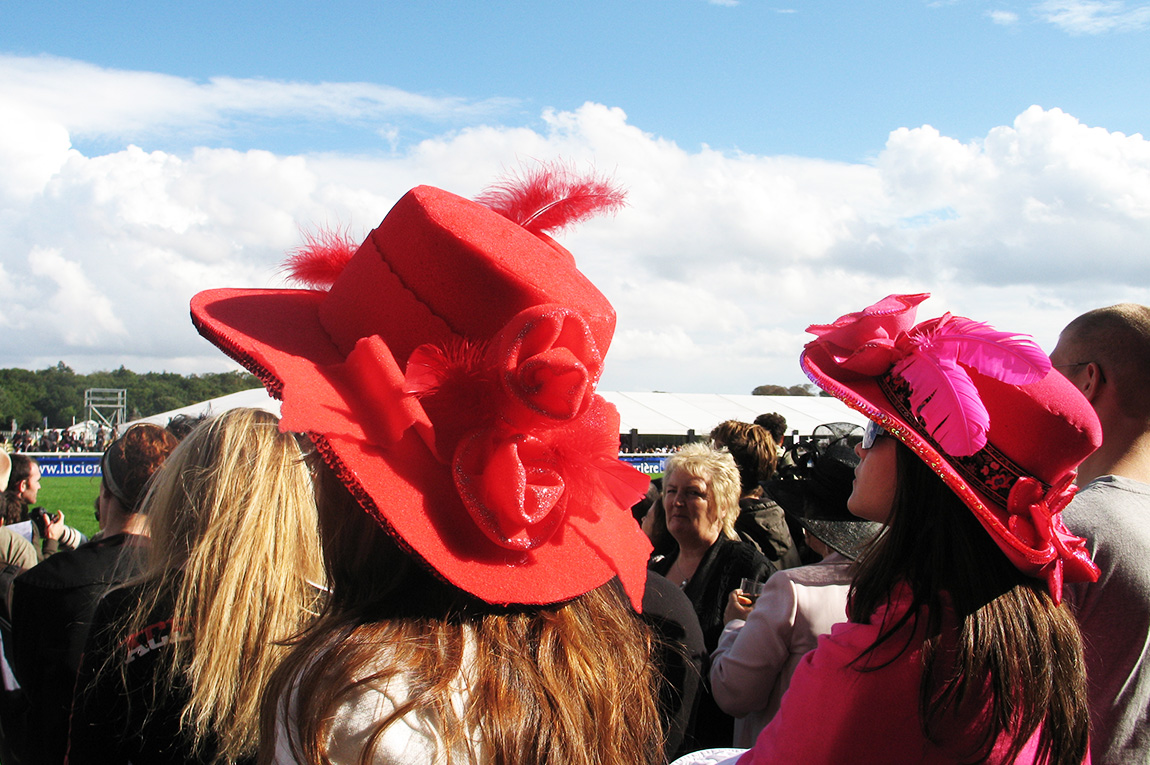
(256, 398)
(664, 414)
(676, 413)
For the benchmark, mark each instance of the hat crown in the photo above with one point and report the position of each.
(1024, 427)
(440, 267)
(448, 378)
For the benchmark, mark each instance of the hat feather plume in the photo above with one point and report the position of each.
(938, 354)
(551, 196)
(319, 261)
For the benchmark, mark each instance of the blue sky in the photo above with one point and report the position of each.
(787, 163)
(823, 79)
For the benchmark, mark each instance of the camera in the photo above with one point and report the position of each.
(42, 519)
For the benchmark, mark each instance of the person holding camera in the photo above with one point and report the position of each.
(46, 532)
(53, 603)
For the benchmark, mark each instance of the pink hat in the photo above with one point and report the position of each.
(448, 377)
(983, 408)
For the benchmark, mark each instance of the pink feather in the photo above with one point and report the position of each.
(942, 393)
(319, 261)
(1011, 358)
(551, 196)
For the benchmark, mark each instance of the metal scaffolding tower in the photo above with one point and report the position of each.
(107, 406)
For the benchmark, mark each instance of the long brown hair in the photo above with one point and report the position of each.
(1015, 659)
(571, 683)
(235, 547)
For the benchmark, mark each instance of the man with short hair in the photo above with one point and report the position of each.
(23, 489)
(776, 425)
(15, 550)
(1106, 354)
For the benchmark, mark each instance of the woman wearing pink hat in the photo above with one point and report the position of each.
(483, 562)
(957, 649)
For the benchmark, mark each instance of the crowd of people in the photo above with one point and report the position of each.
(434, 555)
(55, 440)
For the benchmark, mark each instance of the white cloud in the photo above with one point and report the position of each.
(94, 101)
(725, 3)
(715, 268)
(1003, 18)
(1092, 17)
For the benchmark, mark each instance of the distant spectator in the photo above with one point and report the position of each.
(761, 521)
(776, 425)
(701, 502)
(15, 550)
(45, 531)
(54, 602)
(182, 424)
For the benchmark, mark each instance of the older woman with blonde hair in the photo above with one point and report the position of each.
(178, 659)
(701, 503)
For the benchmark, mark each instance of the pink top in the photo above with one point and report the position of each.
(833, 713)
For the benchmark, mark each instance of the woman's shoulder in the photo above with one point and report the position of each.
(736, 551)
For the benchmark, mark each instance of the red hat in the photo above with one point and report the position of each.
(983, 408)
(448, 377)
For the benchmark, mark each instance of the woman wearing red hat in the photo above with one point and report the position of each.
(957, 648)
(483, 561)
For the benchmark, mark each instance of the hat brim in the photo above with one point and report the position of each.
(847, 536)
(864, 394)
(277, 334)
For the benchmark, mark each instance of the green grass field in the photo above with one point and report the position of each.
(76, 496)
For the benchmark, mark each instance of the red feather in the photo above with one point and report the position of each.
(551, 196)
(319, 261)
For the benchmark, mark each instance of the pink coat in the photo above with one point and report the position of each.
(833, 713)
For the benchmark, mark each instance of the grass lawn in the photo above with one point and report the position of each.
(76, 496)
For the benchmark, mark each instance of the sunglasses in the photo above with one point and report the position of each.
(872, 433)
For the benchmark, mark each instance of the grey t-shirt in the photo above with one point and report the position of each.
(1113, 514)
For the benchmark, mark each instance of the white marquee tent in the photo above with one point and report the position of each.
(663, 414)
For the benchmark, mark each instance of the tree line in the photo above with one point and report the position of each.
(787, 390)
(28, 396)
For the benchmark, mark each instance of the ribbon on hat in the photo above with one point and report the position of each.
(517, 419)
(1035, 520)
(933, 357)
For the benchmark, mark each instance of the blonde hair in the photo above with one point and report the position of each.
(716, 467)
(235, 542)
(571, 682)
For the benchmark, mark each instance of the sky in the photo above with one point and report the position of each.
(785, 163)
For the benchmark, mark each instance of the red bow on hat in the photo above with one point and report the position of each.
(1036, 520)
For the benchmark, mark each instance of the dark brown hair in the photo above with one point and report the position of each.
(754, 451)
(775, 424)
(21, 469)
(1015, 658)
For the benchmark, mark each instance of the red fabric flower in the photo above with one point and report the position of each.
(517, 420)
(549, 363)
